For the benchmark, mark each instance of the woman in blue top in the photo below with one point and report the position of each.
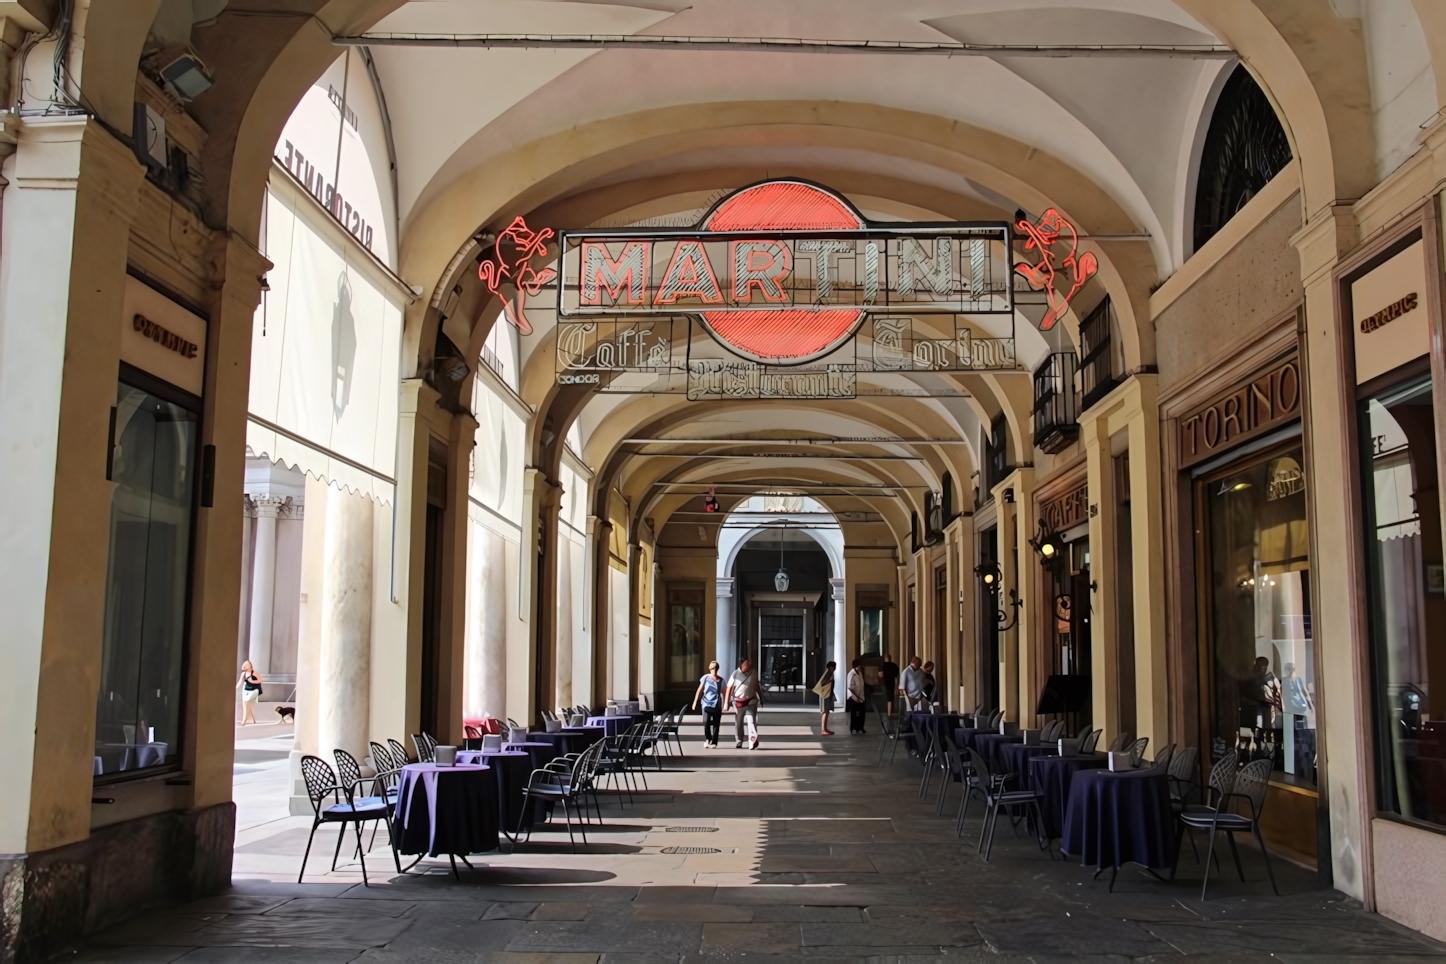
(710, 693)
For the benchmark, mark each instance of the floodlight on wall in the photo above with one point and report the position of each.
(184, 71)
(1050, 545)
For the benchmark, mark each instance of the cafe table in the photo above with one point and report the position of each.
(563, 741)
(988, 746)
(586, 735)
(612, 725)
(446, 810)
(964, 736)
(1015, 757)
(1116, 818)
(1051, 777)
(513, 769)
(539, 752)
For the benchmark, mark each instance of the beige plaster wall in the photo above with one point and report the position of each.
(1410, 886)
(1257, 280)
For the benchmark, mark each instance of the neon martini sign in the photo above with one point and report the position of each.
(798, 295)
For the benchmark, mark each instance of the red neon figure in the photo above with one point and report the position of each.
(512, 266)
(1044, 274)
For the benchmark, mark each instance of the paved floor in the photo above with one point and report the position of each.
(806, 850)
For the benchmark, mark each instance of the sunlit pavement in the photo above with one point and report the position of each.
(801, 849)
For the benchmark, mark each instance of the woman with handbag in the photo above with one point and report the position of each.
(824, 689)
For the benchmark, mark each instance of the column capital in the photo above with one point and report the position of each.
(839, 586)
(724, 587)
(270, 506)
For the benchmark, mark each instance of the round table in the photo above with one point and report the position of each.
(539, 752)
(964, 736)
(513, 769)
(446, 810)
(1051, 777)
(1015, 757)
(563, 741)
(587, 735)
(1119, 818)
(988, 746)
(612, 725)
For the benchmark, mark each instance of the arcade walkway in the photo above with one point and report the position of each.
(809, 852)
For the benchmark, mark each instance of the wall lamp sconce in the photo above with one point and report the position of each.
(1050, 545)
(993, 579)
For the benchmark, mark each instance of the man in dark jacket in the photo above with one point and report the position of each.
(890, 672)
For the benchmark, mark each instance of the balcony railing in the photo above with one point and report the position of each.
(1055, 414)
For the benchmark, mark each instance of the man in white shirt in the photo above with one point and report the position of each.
(856, 706)
(743, 695)
(913, 683)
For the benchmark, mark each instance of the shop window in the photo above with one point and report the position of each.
(1099, 367)
(1261, 663)
(153, 468)
(685, 635)
(871, 607)
(996, 454)
(1055, 427)
(1402, 513)
(1244, 148)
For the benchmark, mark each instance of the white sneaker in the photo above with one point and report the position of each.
(753, 745)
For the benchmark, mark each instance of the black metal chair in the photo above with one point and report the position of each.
(559, 782)
(892, 729)
(1122, 739)
(956, 770)
(1163, 756)
(426, 747)
(1249, 784)
(1136, 750)
(1090, 741)
(399, 752)
(347, 807)
(1184, 776)
(993, 788)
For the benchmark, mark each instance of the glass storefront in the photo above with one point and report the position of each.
(1407, 598)
(153, 467)
(1258, 646)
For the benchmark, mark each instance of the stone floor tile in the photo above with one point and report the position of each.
(133, 954)
(808, 915)
(703, 913)
(890, 934)
(510, 910)
(675, 894)
(1361, 937)
(237, 904)
(324, 906)
(774, 938)
(309, 932)
(270, 955)
(651, 937)
(512, 957)
(1071, 936)
(561, 910)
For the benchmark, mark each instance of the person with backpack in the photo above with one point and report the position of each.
(710, 695)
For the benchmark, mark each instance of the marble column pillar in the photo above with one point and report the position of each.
(263, 580)
(563, 672)
(346, 624)
(725, 639)
(840, 638)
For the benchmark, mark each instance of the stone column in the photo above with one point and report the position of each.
(346, 626)
(839, 588)
(268, 509)
(725, 640)
(563, 688)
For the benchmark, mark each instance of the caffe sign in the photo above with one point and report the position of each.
(1269, 399)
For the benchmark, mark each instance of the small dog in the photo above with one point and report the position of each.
(287, 714)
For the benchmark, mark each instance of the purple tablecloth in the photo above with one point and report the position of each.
(936, 723)
(964, 736)
(539, 752)
(587, 735)
(446, 810)
(563, 741)
(1015, 757)
(1119, 818)
(513, 769)
(1052, 776)
(988, 745)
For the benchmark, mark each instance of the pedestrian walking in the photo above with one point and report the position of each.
(824, 689)
(855, 703)
(250, 686)
(744, 695)
(710, 696)
(911, 684)
(890, 672)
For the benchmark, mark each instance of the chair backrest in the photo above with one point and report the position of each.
(381, 758)
(994, 719)
(1122, 739)
(1183, 771)
(981, 769)
(319, 778)
(471, 732)
(347, 768)
(426, 749)
(513, 724)
(1222, 776)
(1091, 740)
(1250, 783)
(1163, 757)
(399, 752)
(1136, 750)
(1084, 731)
(1050, 732)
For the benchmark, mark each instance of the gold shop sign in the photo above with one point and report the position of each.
(1267, 400)
(1068, 510)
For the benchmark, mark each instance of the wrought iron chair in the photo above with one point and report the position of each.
(1184, 776)
(561, 782)
(1222, 778)
(956, 770)
(892, 729)
(1163, 756)
(426, 747)
(346, 807)
(1089, 742)
(399, 752)
(1136, 750)
(993, 789)
(1249, 784)
(1122, 739)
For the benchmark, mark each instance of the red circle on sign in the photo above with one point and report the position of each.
(790, 336)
